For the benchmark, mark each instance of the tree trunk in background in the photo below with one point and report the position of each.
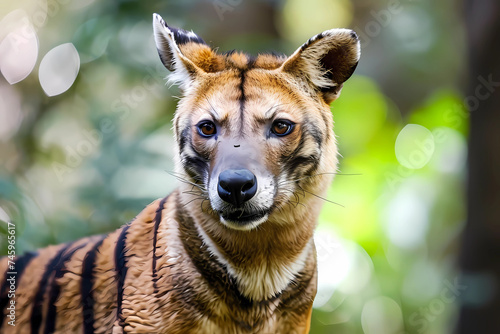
(480, 256)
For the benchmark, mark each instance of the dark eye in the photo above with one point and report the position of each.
(282, 127)
(207, 129)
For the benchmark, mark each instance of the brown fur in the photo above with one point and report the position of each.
(180, 266)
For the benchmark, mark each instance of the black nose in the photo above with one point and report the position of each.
(236, 186)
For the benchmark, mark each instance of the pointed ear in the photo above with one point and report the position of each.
(183, 53)
(326, 61)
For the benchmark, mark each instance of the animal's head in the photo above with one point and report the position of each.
(255, 134)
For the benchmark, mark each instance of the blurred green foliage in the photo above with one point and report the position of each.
(88, 160)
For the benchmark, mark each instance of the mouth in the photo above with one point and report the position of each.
(243, 220)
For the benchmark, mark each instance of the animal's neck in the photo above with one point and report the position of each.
(262, 262)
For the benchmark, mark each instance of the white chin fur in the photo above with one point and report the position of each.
(245, 227)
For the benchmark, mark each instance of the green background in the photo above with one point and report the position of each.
(88, 160)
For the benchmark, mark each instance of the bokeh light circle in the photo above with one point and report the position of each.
(414, 146)
(18, 48)
(381, 315)
(58, 69)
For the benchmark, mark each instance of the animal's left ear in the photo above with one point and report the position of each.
(326, 61)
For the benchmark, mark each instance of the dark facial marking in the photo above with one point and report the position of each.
(250, 64)
(242, 97)
(311, 129)
(184, 137)
(296, 161)
(196, 167)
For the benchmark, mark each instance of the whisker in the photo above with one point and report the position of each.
(178, 177)
(195, 199)
(200, 195)
(324, 199)
(315, 175)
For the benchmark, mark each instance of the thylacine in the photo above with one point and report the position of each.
(231, 250)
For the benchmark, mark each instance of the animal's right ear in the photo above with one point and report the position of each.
(183, 53)
(326, 61)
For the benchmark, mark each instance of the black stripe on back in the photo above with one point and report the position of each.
(36, 311)
(158, 218)
(121, 271)
(20, 264)
(60, 270)
(86, 285)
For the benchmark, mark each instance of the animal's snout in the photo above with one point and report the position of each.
(236, 186)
